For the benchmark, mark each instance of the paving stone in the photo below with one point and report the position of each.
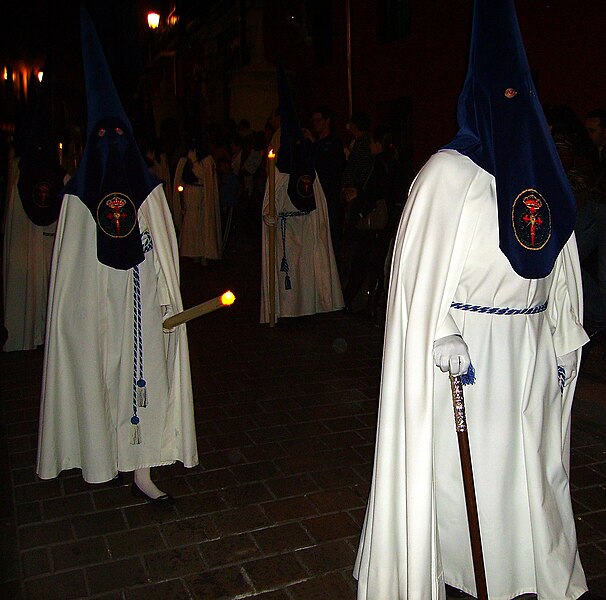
(98, 523)
(289, 509)
(592, 559)
(115, 575)
(330, 527)
(591, 498)
(62, 586)
(166, 590)
(177, 562)
(67, 505)
(40, 490)
(42, 534)
(254, 472)
(29, 513)
(326, 557)
(80, 553)
(278, 539)
(243, 495)
(189, 531)
(200, 504)
(134, 542)
(145, 514)
(275, 571)
(212, 480)
(220, 584)
(275, 595)
(264, 451)
(240, 520)
(339, 499)
(292, 486)
(35, 562)
(231, 549)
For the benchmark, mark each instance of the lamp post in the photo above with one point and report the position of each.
(153, 22)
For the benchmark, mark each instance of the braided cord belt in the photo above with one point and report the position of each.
(139, 384)
(493, 310)
(284, 265)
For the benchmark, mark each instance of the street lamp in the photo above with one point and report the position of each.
(153, 20)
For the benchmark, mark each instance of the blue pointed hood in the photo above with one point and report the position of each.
(504, 131)
(112, 179)
(295, 155)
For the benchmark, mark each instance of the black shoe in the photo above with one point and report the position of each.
(452, 592)
(164, 501)
(118, 480)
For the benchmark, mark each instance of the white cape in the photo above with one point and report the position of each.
(415, 535)
(26, 268)
(87, 389)
(315, 284)
(197, 211)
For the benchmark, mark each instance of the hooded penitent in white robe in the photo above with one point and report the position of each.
(197, 211)
(415, 535)
(303, 240)
(26, 267)
(87, 392)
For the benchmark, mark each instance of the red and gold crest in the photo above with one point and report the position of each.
(531, 220)
(116, 215)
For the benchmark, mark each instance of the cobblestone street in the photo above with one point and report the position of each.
(286, 424)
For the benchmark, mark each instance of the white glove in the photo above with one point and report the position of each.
(569, 363)
(270, 221)
(451, 354)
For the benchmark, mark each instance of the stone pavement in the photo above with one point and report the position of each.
(286, 424)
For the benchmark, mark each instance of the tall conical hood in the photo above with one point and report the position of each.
(504, 131)
(40, 174)
(112, 179)
(295, 155)
(102, 98)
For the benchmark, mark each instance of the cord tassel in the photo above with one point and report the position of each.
(470, 377)
(141, 393)
(135, 431)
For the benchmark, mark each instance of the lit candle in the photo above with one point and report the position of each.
(271, 182)
(226, 299)
(61, 153)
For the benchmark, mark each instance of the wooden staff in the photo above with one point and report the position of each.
(209, 306)
(271, 265)
(468, 485)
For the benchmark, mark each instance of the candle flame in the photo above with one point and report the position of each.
(180, 188)
(60, 146)
(227, 298)
(271, 153)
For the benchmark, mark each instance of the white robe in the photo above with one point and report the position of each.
(26, 268)
(415, 536)
(88, 366)
(197, 211)
(312, 267)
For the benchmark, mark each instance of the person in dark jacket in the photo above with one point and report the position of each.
(375, 210)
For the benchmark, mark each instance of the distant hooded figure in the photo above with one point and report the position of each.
(116, 392)
(196, 208)
(485, 282)
(35, 180)
(306, 270)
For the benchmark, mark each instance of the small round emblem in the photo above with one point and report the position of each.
(531, 220)
(510, 93)
(305, 186)
(116, 215)
(42, 194)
